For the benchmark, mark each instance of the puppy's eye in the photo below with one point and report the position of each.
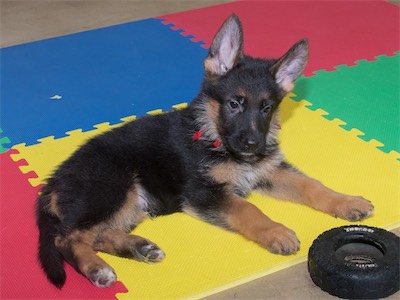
(234, 104)
(267, 109)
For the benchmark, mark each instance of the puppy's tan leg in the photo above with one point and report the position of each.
(249, 221)
(78, 251)
(289, 184)
(243, 217)
(117, 242)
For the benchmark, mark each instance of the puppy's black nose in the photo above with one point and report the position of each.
(250, 143)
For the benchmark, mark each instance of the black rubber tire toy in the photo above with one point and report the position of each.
(356, 262)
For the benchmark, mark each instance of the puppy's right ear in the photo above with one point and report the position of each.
(226, 49)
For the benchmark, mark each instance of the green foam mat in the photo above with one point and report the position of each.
(365, 96)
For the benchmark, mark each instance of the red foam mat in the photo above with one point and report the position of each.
(340, 32)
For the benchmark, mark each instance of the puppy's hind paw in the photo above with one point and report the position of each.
(103, 277)
(149, 253)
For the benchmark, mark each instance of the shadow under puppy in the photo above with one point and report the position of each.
(202, 160)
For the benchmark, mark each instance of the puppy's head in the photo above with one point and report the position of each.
(241, 94)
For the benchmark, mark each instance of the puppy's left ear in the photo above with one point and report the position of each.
(226, 49)
(291, 65)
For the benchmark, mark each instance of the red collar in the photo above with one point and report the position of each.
(217, 143)
(199, 133)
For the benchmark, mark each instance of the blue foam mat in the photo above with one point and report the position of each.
(102, 75)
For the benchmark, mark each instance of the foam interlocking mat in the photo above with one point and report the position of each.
(340, 125)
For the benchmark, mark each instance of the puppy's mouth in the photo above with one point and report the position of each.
(243, 154)
(250, 156)
(247, 156)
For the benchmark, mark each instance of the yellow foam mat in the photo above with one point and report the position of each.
(202, 259)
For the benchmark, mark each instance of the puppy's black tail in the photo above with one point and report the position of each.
(50, 258)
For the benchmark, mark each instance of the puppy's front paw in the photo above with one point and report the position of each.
(280, 240)
(353, 209)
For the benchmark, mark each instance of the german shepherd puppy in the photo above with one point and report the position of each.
(202, 160)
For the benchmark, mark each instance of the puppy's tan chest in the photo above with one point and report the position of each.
(241, 176)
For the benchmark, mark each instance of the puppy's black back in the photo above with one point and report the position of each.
(92, 184)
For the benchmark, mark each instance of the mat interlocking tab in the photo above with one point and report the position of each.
(340, 32)
(3, 140)
(49, 152)
(316, 145)
(364, 96)
(186, 35)
(74, 81)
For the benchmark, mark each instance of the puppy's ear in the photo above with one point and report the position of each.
(290, 66)
(226, 49)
